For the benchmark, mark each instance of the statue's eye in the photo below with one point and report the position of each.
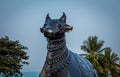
(59, 25)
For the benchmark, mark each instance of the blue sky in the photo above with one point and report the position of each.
(22, 19)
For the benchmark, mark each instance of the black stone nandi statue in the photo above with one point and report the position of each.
(61, 62)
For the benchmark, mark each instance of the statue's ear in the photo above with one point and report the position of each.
(63, 18)
(47, 18)
(68, 28)
(41, 30)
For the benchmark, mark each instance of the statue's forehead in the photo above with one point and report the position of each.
(55, 21)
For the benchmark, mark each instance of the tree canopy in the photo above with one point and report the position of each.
(105, 62)
(12, 57)
(110, 65)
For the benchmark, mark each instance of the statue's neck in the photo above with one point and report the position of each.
(58, 57)
(57, 50)
(55, 45)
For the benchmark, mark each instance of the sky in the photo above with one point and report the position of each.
(21, 20)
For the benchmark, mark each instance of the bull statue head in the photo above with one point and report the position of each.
(55, 28)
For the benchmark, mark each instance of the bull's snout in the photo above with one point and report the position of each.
(48, 32)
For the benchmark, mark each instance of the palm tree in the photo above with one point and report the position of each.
(110, 64)
(94, 49)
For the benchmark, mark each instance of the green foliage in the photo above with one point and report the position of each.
(12, 57)
(110, 63)
(105, 62)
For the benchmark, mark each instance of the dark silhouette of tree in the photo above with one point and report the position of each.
(12, 57)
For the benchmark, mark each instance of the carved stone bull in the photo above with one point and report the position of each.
(60, 61)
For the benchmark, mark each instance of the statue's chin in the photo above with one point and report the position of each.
(49, 36)
(52, 36)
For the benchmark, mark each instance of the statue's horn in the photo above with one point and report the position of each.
(47, 18)
(63, 18)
